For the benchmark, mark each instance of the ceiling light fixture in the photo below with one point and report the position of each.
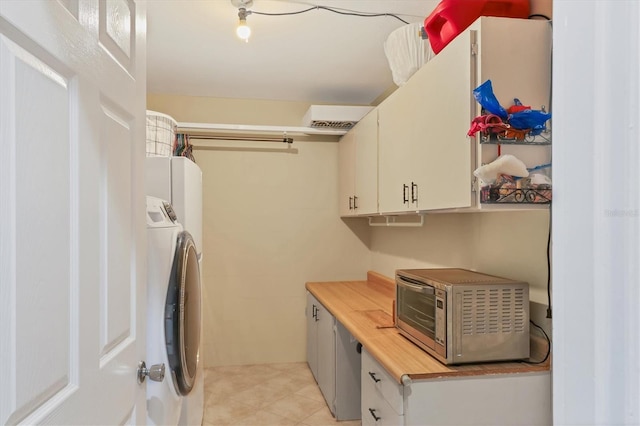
(243, 31)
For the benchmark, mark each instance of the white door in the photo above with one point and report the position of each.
(72, 229)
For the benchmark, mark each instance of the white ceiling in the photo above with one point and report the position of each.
(315, 57)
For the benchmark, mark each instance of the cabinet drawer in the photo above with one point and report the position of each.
(376, 378)
(384, 414)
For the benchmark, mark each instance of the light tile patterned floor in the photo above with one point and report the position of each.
(267, 394)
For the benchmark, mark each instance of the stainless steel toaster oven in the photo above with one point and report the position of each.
(461, 316)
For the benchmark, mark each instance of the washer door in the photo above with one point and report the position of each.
(182, 315)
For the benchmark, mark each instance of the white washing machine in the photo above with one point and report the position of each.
(179, 181)
(173, 312)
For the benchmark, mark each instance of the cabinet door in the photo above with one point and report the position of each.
(326, 341)
(348, 367)
(312, 334)
(366, 164)
(394, 152)
(441, 99)
(425, 155)
(358, 168)
(347, 173)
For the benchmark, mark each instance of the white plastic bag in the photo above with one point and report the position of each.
(406, 52)
(505, 164)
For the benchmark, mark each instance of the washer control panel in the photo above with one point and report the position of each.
(170, 212)
(159, 212)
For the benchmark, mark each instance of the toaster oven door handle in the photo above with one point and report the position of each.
(420, 288)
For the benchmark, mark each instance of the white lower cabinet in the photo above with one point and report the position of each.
(499, 399)
(382, 397)
(334, 360)
(321, 347)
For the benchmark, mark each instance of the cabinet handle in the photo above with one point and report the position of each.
(373, 376)
(350, 203)
(355, 202)
(414, 195)
(405, 196)
(373, 414)
(315, 312)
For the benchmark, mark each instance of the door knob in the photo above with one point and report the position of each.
(155, 372)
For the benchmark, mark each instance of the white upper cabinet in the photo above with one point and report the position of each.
(347, 173)
(425, 155)
(515, 55)
(358, 168)
(426, 159)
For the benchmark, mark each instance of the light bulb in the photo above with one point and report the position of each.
(243, 30)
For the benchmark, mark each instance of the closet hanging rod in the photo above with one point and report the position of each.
(283, 139)
(184, 127)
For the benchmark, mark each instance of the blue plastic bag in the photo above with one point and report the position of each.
(522, 120)
(529, 119)
(485, 97)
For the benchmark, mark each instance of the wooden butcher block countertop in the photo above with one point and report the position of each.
(365, 308)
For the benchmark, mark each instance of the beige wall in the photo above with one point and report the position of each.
(271, 224)
(509, 244)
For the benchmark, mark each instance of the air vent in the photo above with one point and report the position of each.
(332, 124)
(493, 311)
(334, 116)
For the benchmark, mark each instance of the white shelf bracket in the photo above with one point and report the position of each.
(400, 221)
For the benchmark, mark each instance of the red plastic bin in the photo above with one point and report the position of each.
(451, 17)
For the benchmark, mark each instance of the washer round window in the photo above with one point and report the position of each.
(182, 315)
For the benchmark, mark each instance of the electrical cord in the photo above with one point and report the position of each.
(330, 9)
(548, 345)
(539, 15)
(549, 269)
(550, 211)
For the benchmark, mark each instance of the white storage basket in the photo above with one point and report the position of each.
(406, 52)
(161, 134)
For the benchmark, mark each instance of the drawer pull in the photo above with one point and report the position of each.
(373, 413)
(373, 376)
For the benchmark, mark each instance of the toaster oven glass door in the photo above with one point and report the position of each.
(416, 308)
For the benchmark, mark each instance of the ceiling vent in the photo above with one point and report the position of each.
(334, 116)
